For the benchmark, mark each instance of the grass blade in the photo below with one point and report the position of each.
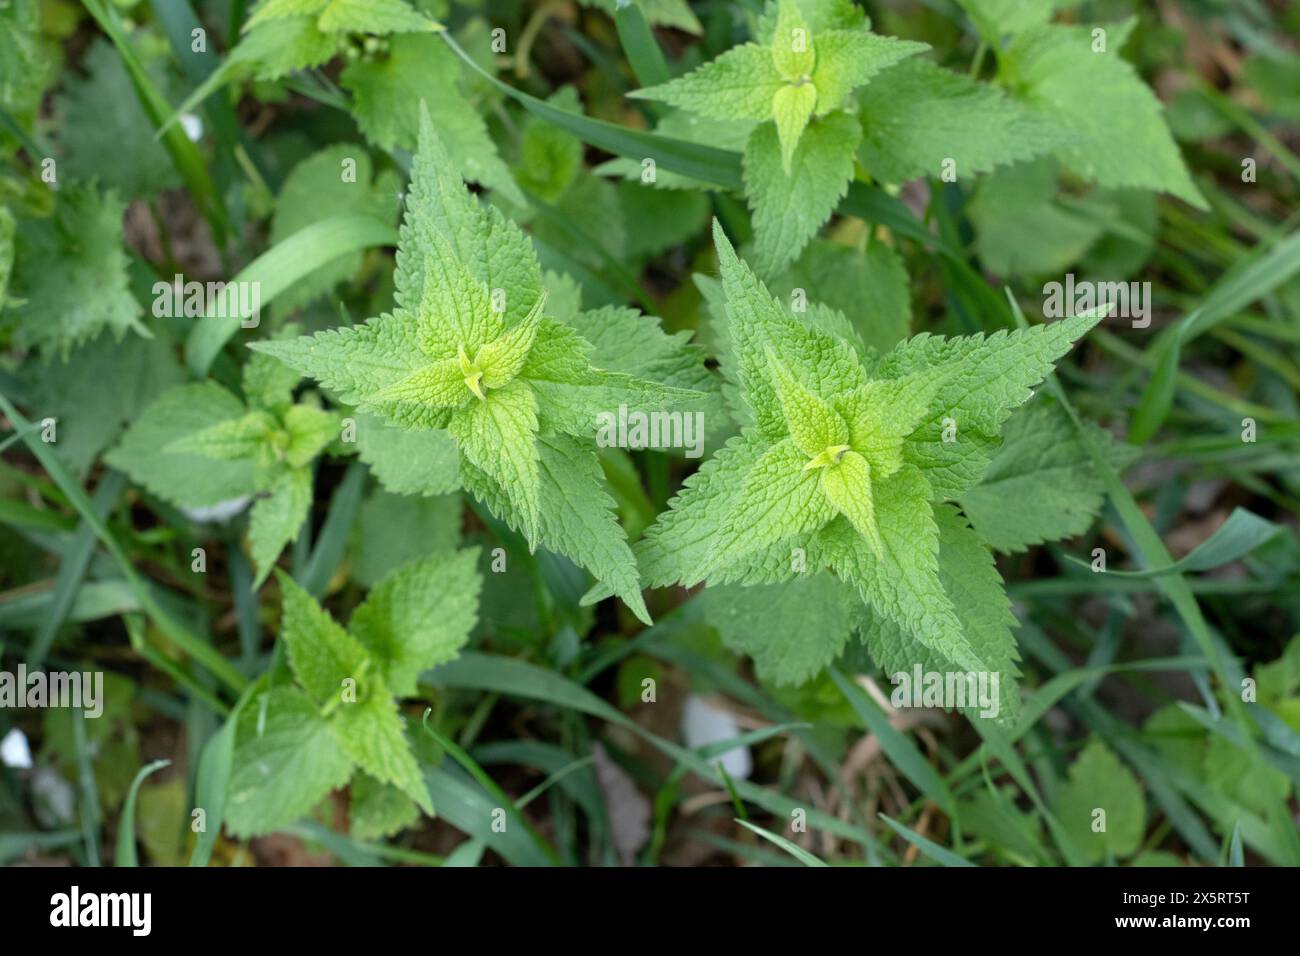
(897, 747)
(281, 266)
(798, 852)
(126, 851)
(199, 649)
(941, 855)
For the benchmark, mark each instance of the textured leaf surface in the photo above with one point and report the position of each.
(286, 761)
(788, 210)
(70, 271)
(372, 733)
(387, 97)
(916, 116)
(188, 480)
(408, 462)
(992, 375)
(1121, 136)
(792, 630)
(419, 617)
(1042, 484)
(1098, 781)
(275, 520)
(739, 83)
(321, 653)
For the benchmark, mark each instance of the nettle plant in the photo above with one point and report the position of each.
(201, 448)
(337, 720)
(816, 101)
(851, 464)
(470, 352)
(796, 85)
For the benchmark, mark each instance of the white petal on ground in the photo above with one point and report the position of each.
(704, 724)
(14, 750)
(221, 511)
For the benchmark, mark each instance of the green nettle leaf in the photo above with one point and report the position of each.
(1042, 485)
(277, 517)
(147, 456)
(1101, 805)
(198, 446)
(919, 119)
(420, 69)
(1120, 136)
(377, 810)
(346, 16)
(469, 352)
(287, 759)
(293, 746)
(408, 462)
(104, 130)
(419, 616)
(70, 275)
(793, 630)
(797, 166)
(844, 472)
(789, 207)
(1023, 227)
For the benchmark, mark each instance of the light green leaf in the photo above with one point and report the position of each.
(903, 585)
(495, 251)
(276, 520)
(992, 375)
(814, 425)
(847, 485)
(789, 209)
(421, 72)
(373, 16)
(740, 83)
(792, 107)
(1041, 485)
(408, 462)
(1101, 804)
(848, 59)
(1121, 139)
(792, 42)
(286, 761)
(248, 436)
(779, 498)
(419, 616)
(499, 436)
(377, 810)
(323, 656)
(916, 116)
(186, 480)
(310, 429)
(372, 734)
(792, 630)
